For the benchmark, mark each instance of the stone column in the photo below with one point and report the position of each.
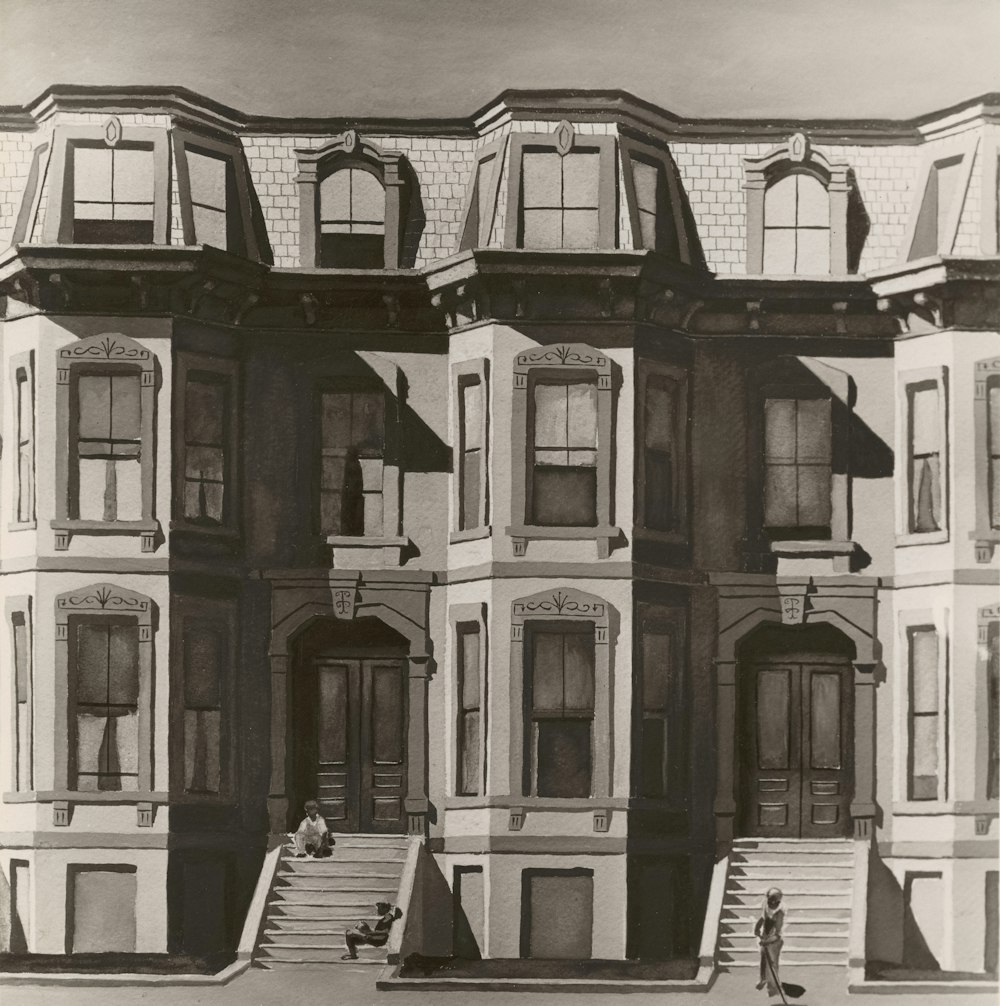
(415, 803)
(863, 805)
(725, 751)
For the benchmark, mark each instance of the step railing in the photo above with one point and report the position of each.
(403, 935)
(257, 911)
(708, 950)
(857, 944)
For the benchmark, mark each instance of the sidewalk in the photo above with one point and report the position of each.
(342, 985)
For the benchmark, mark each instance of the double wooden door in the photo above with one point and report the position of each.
(797, 747)
(360, 750)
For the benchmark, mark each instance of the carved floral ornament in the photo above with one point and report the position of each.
(104, 599)
(564, 355)
(563, 603)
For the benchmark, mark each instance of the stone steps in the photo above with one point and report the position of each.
(816, 878)
(313, 901)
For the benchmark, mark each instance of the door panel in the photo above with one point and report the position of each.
(826, 702)
(360, 767)
(797, 749)
(337, 781)
(382, 804)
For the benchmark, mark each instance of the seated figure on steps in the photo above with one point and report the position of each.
(364, 934)
(313, 837)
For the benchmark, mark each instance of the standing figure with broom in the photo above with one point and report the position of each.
(768, 932)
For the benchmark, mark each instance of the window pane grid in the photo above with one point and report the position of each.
(993, 451)
(925, 720)
(559, 199)
(113, 184)
(924, 463)
(796, 226)
(797, 462)
(206, 403)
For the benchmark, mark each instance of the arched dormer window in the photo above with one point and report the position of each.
(354, 205)
(804, 214)
(352, 220)
(797, 225)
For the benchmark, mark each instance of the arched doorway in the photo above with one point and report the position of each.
(795, 692)
(347, 746)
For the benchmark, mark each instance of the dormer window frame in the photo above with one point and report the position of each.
(633, 150)
(231, 152)
(349, 150)
(57, 228)
(797, 156)
(962, 148)
(555, 142)
(497, 152)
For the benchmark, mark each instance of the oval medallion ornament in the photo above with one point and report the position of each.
(798, 147)
(564, 138)
(350, 140)
(112, 131)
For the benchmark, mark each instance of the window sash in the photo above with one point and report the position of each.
(471, 474)
(798, 469)
(470, 704)
(926, 719)
(925, 436)
(206, 448)
(25, 504)
(993, 451)
(993, 710)
(121, 195)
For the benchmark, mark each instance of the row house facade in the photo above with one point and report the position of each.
(575, 486)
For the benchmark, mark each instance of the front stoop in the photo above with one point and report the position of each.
(313, 901)
(816, 878)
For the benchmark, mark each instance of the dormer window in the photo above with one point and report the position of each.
(211, 184)
(563, 189)
(805, 216)
(797, 226)
(354, 206)
(108, 185)
(113, 194)
(352, 220)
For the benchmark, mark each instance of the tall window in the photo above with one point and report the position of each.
(797, 226)
(560, 703)
(563, 456)
(661, 755)
(924, 462)
(352, 220)
(653, 220)
(104, 704)
(798, 465)
(660, 453)
(560, 200)
(933, 234)
(204, 661)
(472, 468)
(352, 453)
(107, 445)
(25, 445)
(113, 195)
(992, 633)
(212, 196)
(482, 200)
(22, 700)
(925, 777)
(470, 715)
(206, 409)
(993, 450)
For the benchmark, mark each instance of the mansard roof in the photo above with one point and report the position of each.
(579, 105)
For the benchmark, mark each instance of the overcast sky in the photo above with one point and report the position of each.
(732, 58)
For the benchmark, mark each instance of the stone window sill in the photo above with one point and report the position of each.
(836, 555)
(603, 535)
(356, 552)
(471, 534)
(921, 538)
(22, 525)
(63, 802)
(147, 530)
